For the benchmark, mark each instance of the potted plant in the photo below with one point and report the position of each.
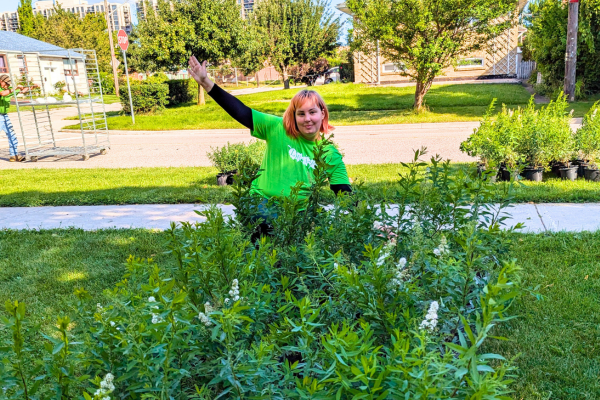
(558, 139)
(494, 142)
(227, 158)
(587, 143)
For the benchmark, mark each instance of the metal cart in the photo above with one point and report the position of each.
(42, 136)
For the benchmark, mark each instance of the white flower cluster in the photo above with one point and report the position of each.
(106, 388)
(431, 319)
(99, 308)
(156, 318)
(234, 292)
(401, 273)
(204, 315)
(442, 249)
(385, 252)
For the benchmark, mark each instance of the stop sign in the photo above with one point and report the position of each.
(123, 40)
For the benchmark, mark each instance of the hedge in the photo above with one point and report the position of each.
(146, 97)
(182, 91)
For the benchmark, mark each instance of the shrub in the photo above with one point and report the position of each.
(229, 157)
(349, 302)
(524, 136)
(587, 138)
(495, 140)
(146, 97)
(107, 83)
(182, 91)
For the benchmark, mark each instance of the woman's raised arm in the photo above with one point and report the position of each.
(233, 106)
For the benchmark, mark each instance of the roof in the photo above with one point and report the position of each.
(12, 41)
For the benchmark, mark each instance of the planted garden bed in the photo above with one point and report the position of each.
(334, 304)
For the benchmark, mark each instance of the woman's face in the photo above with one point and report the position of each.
(309, 118)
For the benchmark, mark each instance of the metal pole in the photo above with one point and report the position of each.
(129, 88)
(236, 78)
(85, 150)
(112, 48)
(571, 55)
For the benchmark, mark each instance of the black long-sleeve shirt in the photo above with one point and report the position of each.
(243, 114)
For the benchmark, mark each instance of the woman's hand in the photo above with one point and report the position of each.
(199, 73)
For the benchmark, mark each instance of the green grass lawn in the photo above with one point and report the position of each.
(557, 337)
(53, 187)
(349, 104)
(108, 99)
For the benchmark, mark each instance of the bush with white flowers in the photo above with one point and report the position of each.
(348, 302)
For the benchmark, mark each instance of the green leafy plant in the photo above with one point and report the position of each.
(361, 299)
(228, 158)
(587, 137)
(146, 97)
(182, 91)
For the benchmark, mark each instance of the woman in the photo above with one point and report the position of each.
(291, 140)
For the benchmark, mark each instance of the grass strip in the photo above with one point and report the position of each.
(557, 337)
(163, 185)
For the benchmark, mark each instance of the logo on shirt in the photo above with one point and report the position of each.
(299, 157)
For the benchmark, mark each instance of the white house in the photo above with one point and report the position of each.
(42, 63)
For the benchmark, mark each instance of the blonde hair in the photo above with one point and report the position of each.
(289, 117)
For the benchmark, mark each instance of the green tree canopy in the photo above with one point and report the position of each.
(548, 41)
(211, 30)
(25, 11)
(69, 31)
(292, 32)
(426, 36)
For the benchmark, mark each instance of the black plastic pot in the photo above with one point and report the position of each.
(555, 168)
(482, 171)
(569, 173)
(533, 174)
(591, 174)
(504, 174)
(225, 178)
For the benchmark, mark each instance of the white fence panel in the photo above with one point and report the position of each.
(525, 69)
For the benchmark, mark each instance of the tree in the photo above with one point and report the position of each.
(426, 36)
(547, 23)
(25, 11)
(211, 30)
(67, 30)
(294, 32)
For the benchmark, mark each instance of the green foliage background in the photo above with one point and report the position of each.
(548, 39)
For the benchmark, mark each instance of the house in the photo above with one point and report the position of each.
(42, 63)
(502, 59)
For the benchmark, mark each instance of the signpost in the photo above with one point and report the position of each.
(123, 41)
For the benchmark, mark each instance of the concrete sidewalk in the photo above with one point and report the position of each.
(537, 218)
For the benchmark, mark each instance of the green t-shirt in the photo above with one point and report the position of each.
(5, 101)
(288, 161)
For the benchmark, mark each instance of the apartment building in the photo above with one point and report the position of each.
(120, 14)
(9, 21)
(246, 5)
(143, 7)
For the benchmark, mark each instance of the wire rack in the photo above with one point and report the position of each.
(41, 73)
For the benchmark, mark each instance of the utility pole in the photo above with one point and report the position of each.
(113, 59)
(571, 55)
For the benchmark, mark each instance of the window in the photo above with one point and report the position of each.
(391, 68)
(3, 64)
(22, 64)
(68, 68)
(466, 63)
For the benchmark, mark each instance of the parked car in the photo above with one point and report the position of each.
(332, 75)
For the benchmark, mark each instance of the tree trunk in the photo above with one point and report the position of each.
(201, 101)
(420, 92)
(257, 80)
(286, 78)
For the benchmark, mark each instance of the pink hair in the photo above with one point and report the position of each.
(289, 117)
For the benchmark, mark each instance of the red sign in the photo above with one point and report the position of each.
(574, 1)
(122, 39)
